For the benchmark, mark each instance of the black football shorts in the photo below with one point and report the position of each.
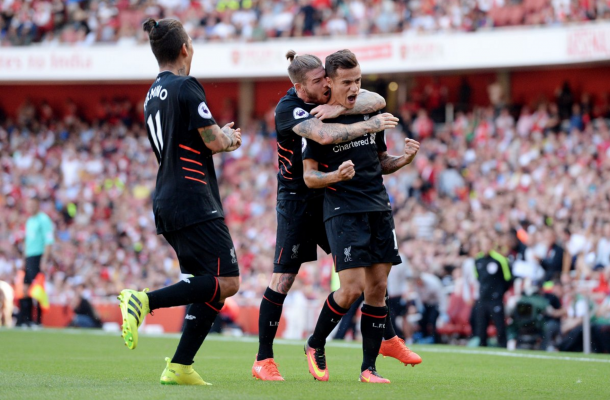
(300, 229)
(32, 268)
(363, 239)
(205, 248)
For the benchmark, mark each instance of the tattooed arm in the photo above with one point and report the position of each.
(391, 164)
(322, 133)
(316, 179)
(221, 139)
(366, 103)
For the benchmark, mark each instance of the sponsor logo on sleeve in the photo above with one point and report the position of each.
(492, 268)
(299, 113)
(204, 111)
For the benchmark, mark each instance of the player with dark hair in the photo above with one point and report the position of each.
(186, 203)
(299, 210)
(359, 225)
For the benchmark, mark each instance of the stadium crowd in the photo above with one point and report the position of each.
(84, 23)
(537, 183)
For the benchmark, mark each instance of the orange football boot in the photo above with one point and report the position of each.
(316, 358)
(397, 349)
(371, 376)
(266, 370)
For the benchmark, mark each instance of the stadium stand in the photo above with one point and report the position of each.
(84, 23)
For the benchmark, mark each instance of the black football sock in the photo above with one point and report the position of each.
(198, 321)
(21, 317)
(372, 326)
(268, 322)
(388, 332)
(38, 314)
(197, 289)
(329, 317)
(28, 309)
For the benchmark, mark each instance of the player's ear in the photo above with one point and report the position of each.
(184, 50)
(297, 86)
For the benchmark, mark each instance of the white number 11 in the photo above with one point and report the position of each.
(157, 134)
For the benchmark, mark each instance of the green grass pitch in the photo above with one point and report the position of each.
(85, 365)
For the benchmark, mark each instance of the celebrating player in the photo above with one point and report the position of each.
(187, 207)
(359, 225)
(299, 209)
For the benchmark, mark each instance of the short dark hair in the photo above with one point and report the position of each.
(166, 38)
(342, 59)
(301, 65)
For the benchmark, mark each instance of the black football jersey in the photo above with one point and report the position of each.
(494, 275)
(291, 111)
(187, 189)
(365, 192)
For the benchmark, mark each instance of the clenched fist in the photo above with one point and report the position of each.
(234, 135)
(346, 170)
(411, 149)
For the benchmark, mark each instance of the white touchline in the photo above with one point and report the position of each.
(509, 354)
(420, 349)
(427, 349)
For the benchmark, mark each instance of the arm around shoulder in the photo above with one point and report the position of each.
(324, 134)
(367, 102)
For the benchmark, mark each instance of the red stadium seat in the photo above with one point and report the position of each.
(459, 319)
(459, 315)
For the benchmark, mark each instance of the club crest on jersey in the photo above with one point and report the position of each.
(204, 111)
(299, 113)
(366, 117)
(233, 256)
(348, 254)
(295, 251)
